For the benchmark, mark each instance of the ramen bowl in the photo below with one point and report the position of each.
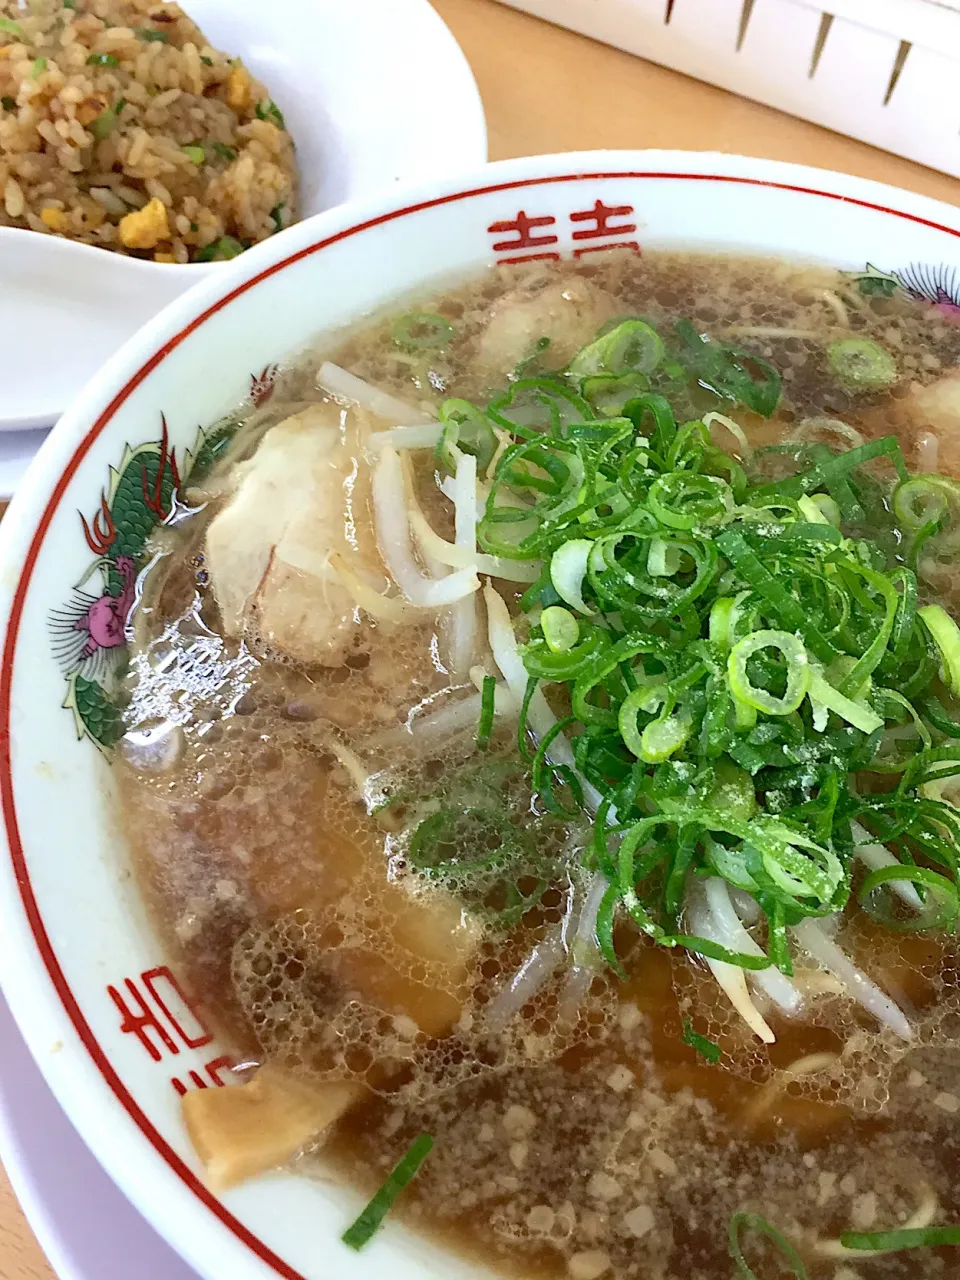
(104, 1011)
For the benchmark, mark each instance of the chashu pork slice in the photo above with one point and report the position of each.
(268, 552)
(569, 312)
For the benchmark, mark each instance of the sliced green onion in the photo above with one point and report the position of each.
(675, 887)
(644, 698)
(685, 502)
(836, 468)
(924, 500)
(827, 507)
(797, 865)
(941, 899)
(487, 703)
(604, 930)
(269, 111)
(276, 216)
(151, 36)
(798, 672)
(862, 364)
(609, 393)
(724, 613)
(658, 409)
(733, 427)
(106, 121)
(892, 698)
(568, 568)
(732, 794)
(735, 547)
(861, 717)
(813, 511)
(706, 1048)
(935, 712)
(538, 404)
(37, 68)
(743, 1221)
(10, 27)
(465, 427)
(560, 628)
(220, 251)
(222, 150)
(103, 60)
(745, 713)
(946, 635)
(729, 863)
(714, 951)
(731, 372)
(865, 665)
(8, 104)
(633, 346)
(403, 1173)
(663, 737)
(663, 558)
(901, 1238)
(196, 155)
(422, 331)
(485, 834)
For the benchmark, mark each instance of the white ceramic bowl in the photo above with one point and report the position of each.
(374, 93)
(80, 967)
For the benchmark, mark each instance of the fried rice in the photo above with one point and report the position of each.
(121, 127)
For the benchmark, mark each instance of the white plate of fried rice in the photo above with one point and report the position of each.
(142, 142)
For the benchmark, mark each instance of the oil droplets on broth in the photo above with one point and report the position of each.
(402, 928)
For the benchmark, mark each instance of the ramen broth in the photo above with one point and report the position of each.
(284, 748)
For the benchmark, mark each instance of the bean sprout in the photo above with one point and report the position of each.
(866, 993)
(393, 536)
(347, 386)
